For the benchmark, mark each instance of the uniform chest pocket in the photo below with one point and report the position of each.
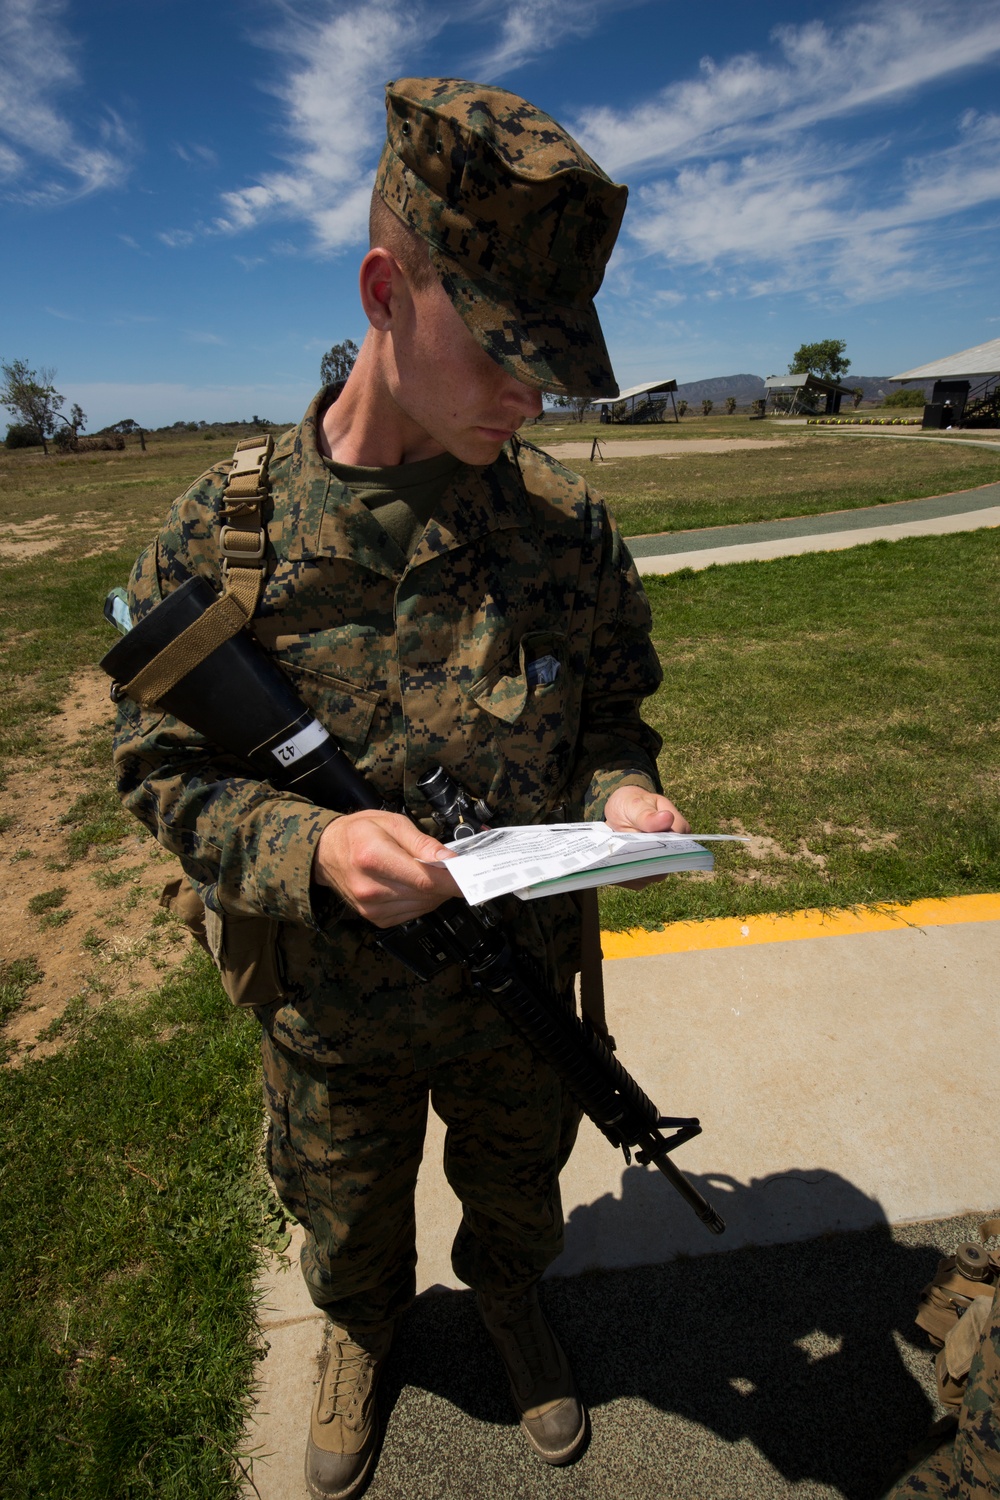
(345, 710)
(533, 709)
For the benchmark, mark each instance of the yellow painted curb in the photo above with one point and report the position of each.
(730, 932)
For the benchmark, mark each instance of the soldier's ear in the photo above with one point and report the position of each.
(380, 282)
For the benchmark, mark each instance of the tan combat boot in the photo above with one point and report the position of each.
(343, 1432)
(541, 1382)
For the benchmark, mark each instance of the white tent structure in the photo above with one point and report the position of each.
(647, 389)
(966, 387)
(977, 363)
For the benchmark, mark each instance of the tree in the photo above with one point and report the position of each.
(67, 438)
(31, 395)
(825, 359)
(706, 406)
(126, 427)
(576, 404)
(858, 395)
(682, 407)
(19, 435)
(338, 362)
(906, 398)
(730, 405)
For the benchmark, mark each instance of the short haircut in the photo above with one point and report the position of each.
(389, 232)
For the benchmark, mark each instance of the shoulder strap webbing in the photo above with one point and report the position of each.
(242, 547)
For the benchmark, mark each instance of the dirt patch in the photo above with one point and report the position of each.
(760, 846)
(22, 539)
(106, 935)
(868, 839)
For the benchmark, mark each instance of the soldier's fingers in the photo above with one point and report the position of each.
(367, 857)
(633, 808)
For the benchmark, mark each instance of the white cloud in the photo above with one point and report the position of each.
(739, 166)
(802, 224)
(332, 95)
(195, 155)
(335, 119)
(10, 163)
(44, 156)
(822, 73)
(176, 239)
(736, 177)
(530, 27)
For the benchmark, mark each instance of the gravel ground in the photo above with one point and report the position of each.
(776, 1371)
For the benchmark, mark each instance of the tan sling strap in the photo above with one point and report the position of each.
(242, 547)
(591, 965)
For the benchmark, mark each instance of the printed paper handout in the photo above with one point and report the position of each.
(547, 858)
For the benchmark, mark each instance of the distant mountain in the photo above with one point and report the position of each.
(877, 386)
(745, 388)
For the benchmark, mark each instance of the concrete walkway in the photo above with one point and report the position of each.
(846, 1069)
(676, 447)
(990, 437)
(936, 515)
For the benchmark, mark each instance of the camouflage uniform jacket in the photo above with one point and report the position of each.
(408, 664)
(966, 1465)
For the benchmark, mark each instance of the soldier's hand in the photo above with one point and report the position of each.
(631, 809)
(374, 860)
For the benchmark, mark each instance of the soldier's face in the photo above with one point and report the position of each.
(448, 385)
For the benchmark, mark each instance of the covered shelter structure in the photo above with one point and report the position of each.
(649, 411)
(805, 392)
(966, 387)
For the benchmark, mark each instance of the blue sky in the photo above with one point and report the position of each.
(183, 187)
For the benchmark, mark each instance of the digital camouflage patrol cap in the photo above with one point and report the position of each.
(519, 221)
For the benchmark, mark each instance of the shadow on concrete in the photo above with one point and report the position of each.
(648, 1223)
(804, 1355)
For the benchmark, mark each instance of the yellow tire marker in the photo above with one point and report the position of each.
(734, 932)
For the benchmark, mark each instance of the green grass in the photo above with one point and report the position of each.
(96, 817)
(109, 487)
(51, 625)
(844, 705)
(17, 977)
(809, 477)
(51, 621)
(47, 900)
(132, 1202)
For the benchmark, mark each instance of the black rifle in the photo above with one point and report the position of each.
(239, 699)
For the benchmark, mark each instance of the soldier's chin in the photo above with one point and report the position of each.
(483, 444)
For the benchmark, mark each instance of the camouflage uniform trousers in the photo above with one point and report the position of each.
(967, 1467)
(344, 1146)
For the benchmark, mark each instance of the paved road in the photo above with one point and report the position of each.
(965, 510)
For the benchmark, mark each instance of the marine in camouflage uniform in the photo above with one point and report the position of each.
(413, 661)
(967, 1464)
(409, 665)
